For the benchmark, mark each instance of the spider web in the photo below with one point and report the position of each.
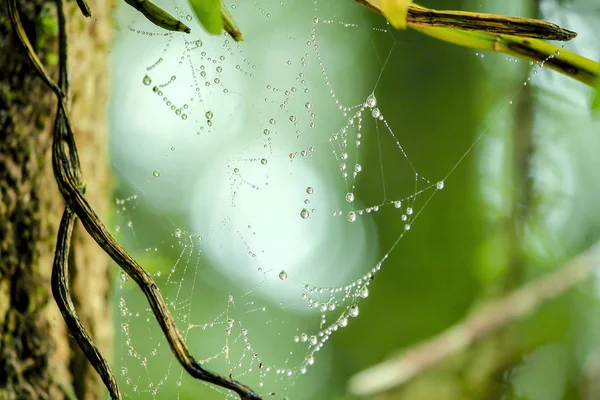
(252, 178)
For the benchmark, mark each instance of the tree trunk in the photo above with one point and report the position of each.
(37, 358)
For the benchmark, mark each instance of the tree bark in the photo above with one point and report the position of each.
(37, 358)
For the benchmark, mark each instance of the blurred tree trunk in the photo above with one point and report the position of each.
(38, 360)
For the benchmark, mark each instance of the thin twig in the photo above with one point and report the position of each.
(542, 53)
(481, 22)
(60, 290)
(482, 322)
(65, 163)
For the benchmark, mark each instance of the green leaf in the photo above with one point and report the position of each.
(209, 14)
(394, 10)
(596, 101)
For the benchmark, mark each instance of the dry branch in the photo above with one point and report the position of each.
(483, 321)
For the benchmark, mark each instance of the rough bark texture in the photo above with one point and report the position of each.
(37, 358)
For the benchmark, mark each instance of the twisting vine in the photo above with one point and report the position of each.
(67, 172)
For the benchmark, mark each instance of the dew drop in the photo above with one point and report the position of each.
(439, 185)
(353, 311)
(349, 197)
(147, 81)
(283, 275)
(263, 161)
(309, 190)
(156, 174)
(351, 216)
(372, 102)
(364, 292)
(178, 233)
(209, 115)
(304, 213)
(308, 105)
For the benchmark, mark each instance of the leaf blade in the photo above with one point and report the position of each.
(596, 101)
(208, 13)
(395, 11)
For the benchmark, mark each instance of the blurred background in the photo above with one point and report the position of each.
(229, 163)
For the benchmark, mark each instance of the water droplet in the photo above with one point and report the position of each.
(439, 185)
(266, 132)
(409, 210)
(283, 275)
(371, 101)
(304, 213)
(178, 233)
(364, 292)
(351, 216)
(343, 322)
(349, 197)
(199, 43)
(209, 115)
(398, 204)
(357, 168)
(308, 105)
(156, 174)
(310, 360)
(293, 118)
(353, 311)
(376, 113)
(272, 121)
(147, 81)
(309, 190)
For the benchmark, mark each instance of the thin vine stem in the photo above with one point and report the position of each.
(67, 172)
